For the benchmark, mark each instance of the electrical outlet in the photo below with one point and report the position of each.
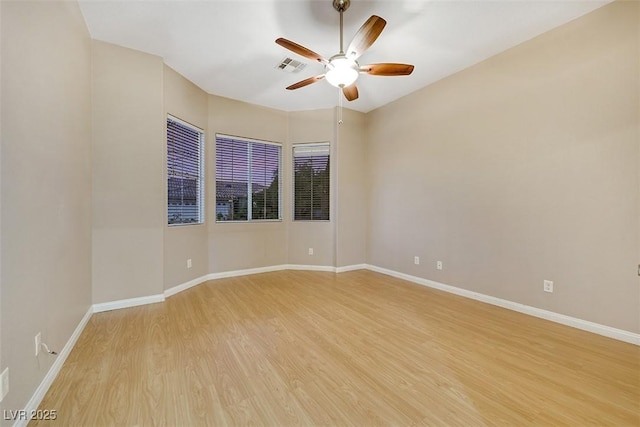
(416, 260)
(548, 286)
(4, 384)
(310, 251)
(38, 340)
(189, 263)
(439, 265)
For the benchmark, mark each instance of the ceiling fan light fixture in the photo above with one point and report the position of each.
(342, 71)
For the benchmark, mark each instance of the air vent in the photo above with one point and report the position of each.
(291, 65)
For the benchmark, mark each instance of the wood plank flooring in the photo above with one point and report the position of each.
(359, 348)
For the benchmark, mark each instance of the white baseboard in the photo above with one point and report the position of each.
(301, 267)
(327, 268)
(585, 325)
(184, 286)
(236, 273)
(225, 274)
(351, 268)
(125, 303)
(38, 395)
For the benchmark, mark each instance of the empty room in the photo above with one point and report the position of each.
(320, 213)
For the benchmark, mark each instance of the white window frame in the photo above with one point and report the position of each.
(311, 146)
(250, 141)
(201, 174)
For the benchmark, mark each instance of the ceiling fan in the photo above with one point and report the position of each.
(342, 69)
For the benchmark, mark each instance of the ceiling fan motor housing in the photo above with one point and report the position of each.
(341, 5)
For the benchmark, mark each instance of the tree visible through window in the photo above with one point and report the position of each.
(247, 179)
(311, 182)
(184, 173)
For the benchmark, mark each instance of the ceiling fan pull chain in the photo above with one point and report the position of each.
(339, 106)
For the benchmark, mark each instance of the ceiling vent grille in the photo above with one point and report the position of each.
(290, 65)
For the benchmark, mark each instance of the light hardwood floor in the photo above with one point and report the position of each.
(358, 348)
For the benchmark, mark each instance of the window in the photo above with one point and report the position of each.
(247, 179)
(185, 173)
(311, 182)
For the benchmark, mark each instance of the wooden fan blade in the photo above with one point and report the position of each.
(350, 92)
(387, 69)
(366, 35)
(300, 50)
(305, 82)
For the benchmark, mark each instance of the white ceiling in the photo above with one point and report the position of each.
(227, 46)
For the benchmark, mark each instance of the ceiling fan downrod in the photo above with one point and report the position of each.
(341, 6)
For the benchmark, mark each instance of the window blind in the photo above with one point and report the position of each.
(247, 179)
(184, 173)
(311, 182)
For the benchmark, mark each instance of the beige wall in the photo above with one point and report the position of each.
(127, 173)
(186, 101)
(46, 185)
(311, 126)
(351, 190)
(236, 246)
(519, 169)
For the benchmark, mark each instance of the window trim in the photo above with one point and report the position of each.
(293, 180)
(202, 217)
(250, 141)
